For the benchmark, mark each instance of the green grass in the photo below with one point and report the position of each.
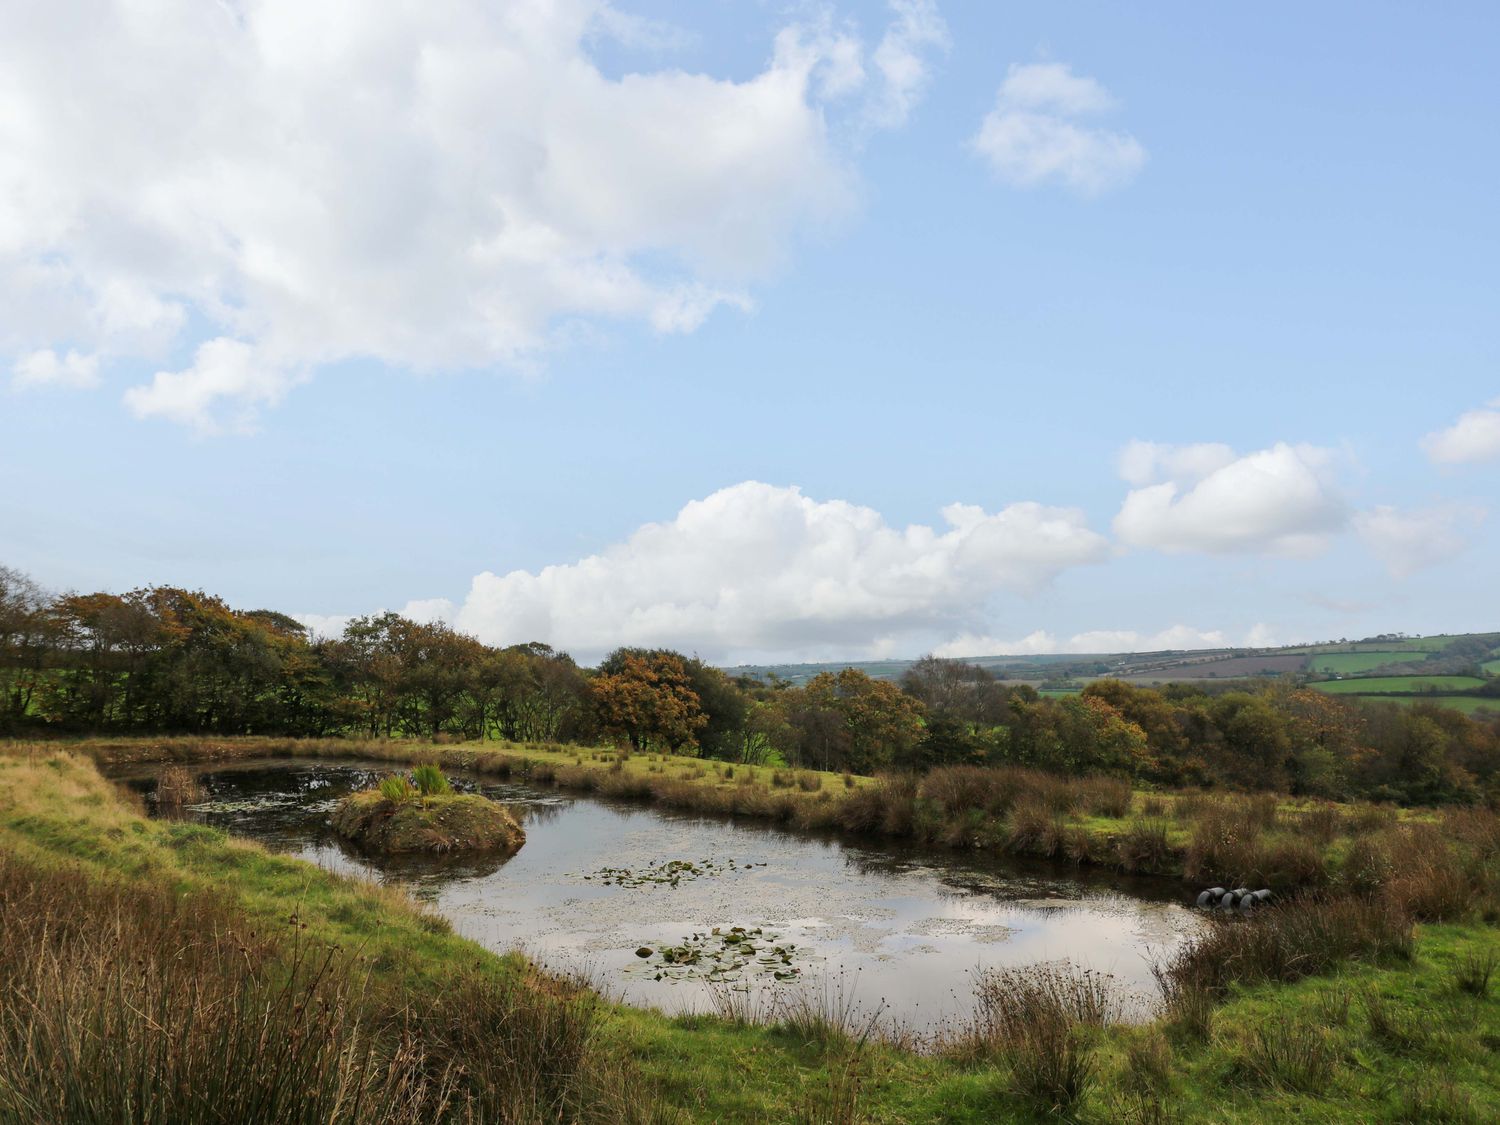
(1353, 663)
(1378, 685)
(1272, 1052)
(1492, 667)
(1468, 704)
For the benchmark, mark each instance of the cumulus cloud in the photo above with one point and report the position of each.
(1474, 437)
(1042, 642)
(45, 368)
(446, 185)
(331, 626)
(756, 568)
(1409, 541)
(1280, 500)
(1038, 133)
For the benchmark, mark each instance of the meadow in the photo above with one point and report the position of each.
(1369, 996)
(1354, 663)
(1381, 685)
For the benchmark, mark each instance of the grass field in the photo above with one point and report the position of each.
(1315, 1030)
(1492, 667)
(1379, 685)
(1468, 704)
(1353, 663)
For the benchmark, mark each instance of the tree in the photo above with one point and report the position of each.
(646, 698)
(848, 721)
(957, 691)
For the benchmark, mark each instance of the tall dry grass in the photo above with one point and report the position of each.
(131, 1002)
(1041, 1022)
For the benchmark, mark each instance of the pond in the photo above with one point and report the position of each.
(633, 895)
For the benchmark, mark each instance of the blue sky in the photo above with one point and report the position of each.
(495, 307)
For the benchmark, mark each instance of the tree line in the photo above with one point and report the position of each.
(162, 659)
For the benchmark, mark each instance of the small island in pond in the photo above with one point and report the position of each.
(423, 814)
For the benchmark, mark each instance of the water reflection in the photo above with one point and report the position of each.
(900, 925)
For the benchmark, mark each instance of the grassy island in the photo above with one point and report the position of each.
(425, 815)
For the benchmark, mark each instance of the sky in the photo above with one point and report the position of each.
(764, 331)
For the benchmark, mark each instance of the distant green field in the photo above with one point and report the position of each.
(1492, 667)
(1058, 693)
(1352, 663)
(1468, 704)
(1376, 685)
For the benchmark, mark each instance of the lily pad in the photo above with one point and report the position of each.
(722, 955)
(666, 873)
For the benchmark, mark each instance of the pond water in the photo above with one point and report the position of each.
(899, 930)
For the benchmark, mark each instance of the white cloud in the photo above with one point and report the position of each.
(1280, 500)
(222, 369)
(1474, 437)
(1042, 642)
(756, 569)
(331, 626)
(1409, 541)
(45, 368)
(439, 185)
(1147, 462)
(1034, 134)
(901, 58)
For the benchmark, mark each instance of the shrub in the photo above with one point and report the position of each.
(809, 782)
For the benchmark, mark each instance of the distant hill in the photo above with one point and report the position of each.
(1461, 670)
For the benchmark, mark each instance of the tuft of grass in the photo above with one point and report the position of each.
(1145, 846)
(395, 787)
(430, 780)
(1289, 941)
(177, 788)
(1043, 1022)
(1289, 1054)
(1473, 971)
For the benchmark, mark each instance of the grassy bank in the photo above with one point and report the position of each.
(1231, 839)
(1344, 1010)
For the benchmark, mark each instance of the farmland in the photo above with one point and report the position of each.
(1356, 663)
(1386, 685)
